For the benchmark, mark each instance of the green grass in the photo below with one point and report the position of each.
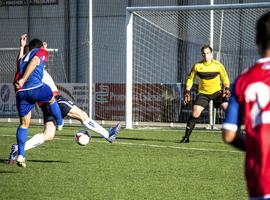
(141, 164)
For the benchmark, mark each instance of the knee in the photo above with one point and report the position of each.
(196, 114)
(48, 138)
(228, 137)
(24, 123)
(49, 132)
(224, 106)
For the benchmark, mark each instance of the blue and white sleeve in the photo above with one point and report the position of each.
(233, 117)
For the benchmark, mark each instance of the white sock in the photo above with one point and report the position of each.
(94, 126)
(34, 141)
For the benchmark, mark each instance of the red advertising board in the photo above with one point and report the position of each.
(110, 101)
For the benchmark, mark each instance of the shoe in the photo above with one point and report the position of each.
(13, 154)
(113, 132)
(184, 140)
(21, 161)
(60, 127)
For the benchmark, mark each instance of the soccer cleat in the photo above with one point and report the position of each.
(60, 127)
(113, 132)
(21, 161)
(184, 140)
(13, 154)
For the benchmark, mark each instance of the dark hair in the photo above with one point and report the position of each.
(35, 43)
(263, 31)
(206, 46)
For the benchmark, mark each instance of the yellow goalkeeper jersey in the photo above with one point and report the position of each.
(209, 74)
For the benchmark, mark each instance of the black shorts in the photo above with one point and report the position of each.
(64, 104)
(204, 99)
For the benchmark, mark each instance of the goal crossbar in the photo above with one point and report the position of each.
(199, 7)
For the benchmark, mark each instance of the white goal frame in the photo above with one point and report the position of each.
(129, 42)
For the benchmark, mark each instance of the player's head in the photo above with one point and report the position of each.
(263, 33)
(206, 51)
(35, 43)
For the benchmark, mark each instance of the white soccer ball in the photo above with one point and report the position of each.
(82, 137)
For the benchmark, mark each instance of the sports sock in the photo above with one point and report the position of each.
(94, 126)
(190, 126)
(34, 141)
(21, 139)
(56, 112)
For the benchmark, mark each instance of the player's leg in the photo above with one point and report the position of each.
(44, 94)
(220, 101)
(76, 113)
(201, 102)
(56, 112)
(21, 136)
(224, 106)
(69, 109)
(24, 109)
(39, 138)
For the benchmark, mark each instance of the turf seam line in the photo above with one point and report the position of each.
(150, 145)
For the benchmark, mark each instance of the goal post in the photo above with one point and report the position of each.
(163, 42)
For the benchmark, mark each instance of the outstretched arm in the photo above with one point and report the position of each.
(23, 41)
(231, 131)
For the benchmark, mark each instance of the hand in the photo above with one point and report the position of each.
(19, 84)
(23, 40)
(226, 93)
(186, 97)
(45, 45)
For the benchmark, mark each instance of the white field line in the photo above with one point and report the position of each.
(150, 145)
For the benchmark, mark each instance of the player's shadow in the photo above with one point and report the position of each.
(205, 141)
(48, 161)
(144, 139)
(7, 172)
(3, 161)
(65, 135)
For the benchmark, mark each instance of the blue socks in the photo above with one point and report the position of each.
(56, 112)
(21, 139)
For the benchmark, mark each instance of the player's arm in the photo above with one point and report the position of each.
(190, 78)
(30, 68)
(23, 41)
(189, 84)
(231, 131)
(224, 76)
(226, 81)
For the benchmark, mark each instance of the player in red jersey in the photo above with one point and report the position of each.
(250, 105)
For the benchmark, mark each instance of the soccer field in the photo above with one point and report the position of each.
(141, 164)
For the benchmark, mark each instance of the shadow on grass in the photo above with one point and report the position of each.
(7, 172)
(144, 139)
(3, 161)
(47, 161)
(177, 140)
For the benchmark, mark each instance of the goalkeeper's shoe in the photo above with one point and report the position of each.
(13, 154)
(21, 161)
(113, 132)
(184, 140)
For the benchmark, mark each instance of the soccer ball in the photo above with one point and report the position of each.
(82, 137)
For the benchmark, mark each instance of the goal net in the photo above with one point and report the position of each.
(163, 43)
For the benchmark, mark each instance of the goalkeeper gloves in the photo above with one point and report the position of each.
(226, 93)
(186, 97)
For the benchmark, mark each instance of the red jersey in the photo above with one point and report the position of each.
(252, 91)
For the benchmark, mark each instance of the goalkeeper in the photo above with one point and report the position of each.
(209, 72)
